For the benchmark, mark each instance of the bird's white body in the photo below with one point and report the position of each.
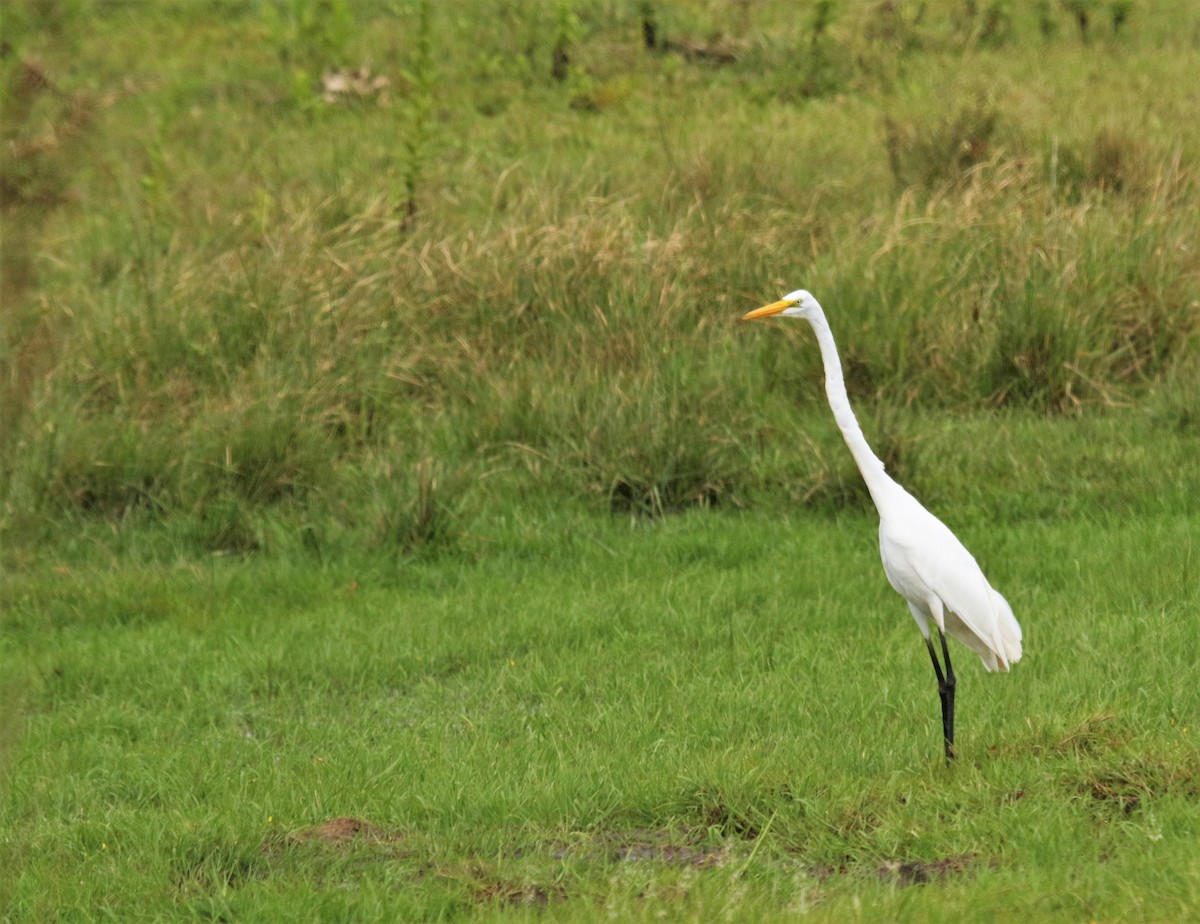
(922, 558)
(942, 582)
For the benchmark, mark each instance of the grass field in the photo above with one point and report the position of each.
(730, 719)
(396, 524)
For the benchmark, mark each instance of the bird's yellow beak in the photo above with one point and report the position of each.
(767, 311)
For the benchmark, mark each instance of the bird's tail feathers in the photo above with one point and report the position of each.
(1008, 632)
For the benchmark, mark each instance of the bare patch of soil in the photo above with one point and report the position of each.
(919, 872)
(343, 830)
(337, 832)
(1125, 786)
(517, 894)
(672, 847)
(905, 872)
(1094, 735)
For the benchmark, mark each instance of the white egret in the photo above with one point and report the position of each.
(922, 559)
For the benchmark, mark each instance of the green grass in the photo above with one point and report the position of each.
(400, 459)
(718, 715)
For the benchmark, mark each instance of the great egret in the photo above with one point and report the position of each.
(922, 559)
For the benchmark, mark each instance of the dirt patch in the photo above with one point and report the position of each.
(343, 830)
(1116, 791)
(919, 872)
(517, 894)
(337, 832)
(1127, 785)
(673, 847)
(1094, 735)
(672, 855)
(907, 872)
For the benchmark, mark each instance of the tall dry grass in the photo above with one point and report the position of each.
(248, 322)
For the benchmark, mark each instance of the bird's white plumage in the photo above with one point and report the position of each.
(942, 582)
(923, 560)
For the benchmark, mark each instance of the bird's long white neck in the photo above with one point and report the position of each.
(870, 465)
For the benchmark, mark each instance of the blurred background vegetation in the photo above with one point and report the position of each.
(323, 271)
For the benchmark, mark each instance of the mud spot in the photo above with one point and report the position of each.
(337, 832)
(919, 872)
(1128, 785)
(1117, 792)
(517, 894)
(343, 830)
(1094, 735)
(672, 855)
(907, 872)
(670, 846)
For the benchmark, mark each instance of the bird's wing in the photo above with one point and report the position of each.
(922, 557)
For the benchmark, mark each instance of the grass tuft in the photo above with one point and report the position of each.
(928, 155)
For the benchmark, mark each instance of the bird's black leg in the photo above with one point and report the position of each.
(945, 693)
(948, 710)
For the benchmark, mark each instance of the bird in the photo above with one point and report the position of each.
(924, 561)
